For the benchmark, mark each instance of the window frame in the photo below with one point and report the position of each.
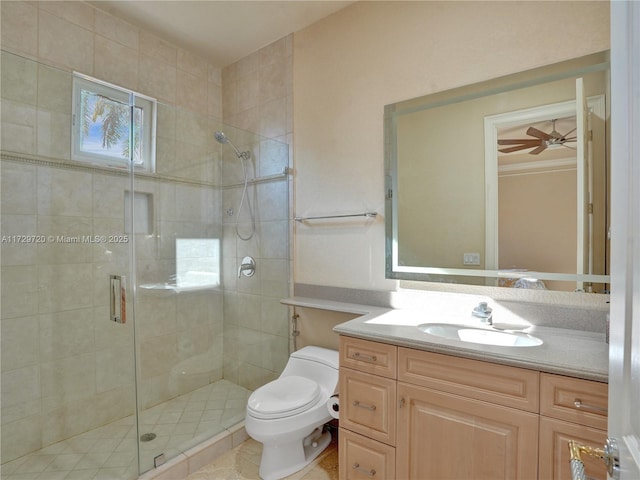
(148, 106)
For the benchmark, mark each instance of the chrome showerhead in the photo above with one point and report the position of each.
(223, 139)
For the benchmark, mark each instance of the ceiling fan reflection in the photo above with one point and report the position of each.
(540, 141)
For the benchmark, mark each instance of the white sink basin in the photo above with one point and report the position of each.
(484, 336)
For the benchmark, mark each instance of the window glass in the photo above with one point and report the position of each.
(102, 128)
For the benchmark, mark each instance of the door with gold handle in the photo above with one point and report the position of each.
(609, 454)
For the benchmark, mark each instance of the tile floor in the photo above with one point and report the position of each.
(109, 452)
(242, 463)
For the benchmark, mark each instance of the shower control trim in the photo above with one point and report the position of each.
(247, 267)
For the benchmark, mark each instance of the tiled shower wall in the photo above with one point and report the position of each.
(256, 96)
(65, 368)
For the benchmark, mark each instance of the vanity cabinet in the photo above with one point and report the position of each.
(409, 414)
(571, 409)
(367, 409)
(461, 418)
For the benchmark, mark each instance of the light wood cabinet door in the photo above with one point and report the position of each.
(446, 436)
(554, 450)
(362, 458)
(368, 405)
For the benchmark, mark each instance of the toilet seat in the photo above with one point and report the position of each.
(284, 397)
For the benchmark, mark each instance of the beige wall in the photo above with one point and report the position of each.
(351, 64)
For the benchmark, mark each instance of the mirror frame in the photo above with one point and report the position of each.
(550, 73)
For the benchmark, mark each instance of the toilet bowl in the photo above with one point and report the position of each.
(287, 414)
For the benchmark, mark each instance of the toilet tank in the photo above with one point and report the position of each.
(316, 363)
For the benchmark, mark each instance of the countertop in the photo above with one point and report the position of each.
(576, 353)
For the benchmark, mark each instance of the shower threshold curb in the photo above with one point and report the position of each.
(197, 457)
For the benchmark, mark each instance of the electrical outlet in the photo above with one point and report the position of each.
(471, 259)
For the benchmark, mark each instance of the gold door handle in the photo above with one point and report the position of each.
(609, 454)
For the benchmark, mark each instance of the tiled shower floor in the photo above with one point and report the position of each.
(109, 452)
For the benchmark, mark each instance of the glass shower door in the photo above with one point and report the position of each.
(68, 382)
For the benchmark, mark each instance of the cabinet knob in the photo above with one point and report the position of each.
(368, 473)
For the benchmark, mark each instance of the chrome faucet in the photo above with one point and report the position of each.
(484, 313)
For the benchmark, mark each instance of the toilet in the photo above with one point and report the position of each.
(287, 414)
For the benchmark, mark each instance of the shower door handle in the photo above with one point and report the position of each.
(118, 298)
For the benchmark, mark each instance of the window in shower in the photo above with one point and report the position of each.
(104, 131)
(197, 263)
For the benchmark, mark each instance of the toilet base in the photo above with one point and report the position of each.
(282, 459)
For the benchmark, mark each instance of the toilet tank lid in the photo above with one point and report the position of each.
(322, 355)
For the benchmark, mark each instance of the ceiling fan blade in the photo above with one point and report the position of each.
(516, 148)
(538, 150)
(569, 132)
(521, 141)
(534, 132)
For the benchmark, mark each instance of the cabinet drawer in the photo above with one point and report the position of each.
(580, 401)
(499, 384)
(367, 405)
(370, 357)
(363, 458)
(554, 449)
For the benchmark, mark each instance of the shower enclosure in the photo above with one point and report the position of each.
(128, 333)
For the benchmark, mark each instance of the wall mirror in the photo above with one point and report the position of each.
(504, 182)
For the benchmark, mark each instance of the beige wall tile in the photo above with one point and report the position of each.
(108, 196)
(114, 368)
(54, 89)
(157, 79)
(19, 291)
(65, 334)
(273, 118)
(19, 27)
(192, 64)
(64, 287)
(19, 253)
(54, 135)
(19, 79)
(19, 342)
(215, 75)
(275, 80)
(67, 380)
(18, 127)
(64, 192)
(20, 385)
(115, 63)
(116, 29)
(64, 44)
(20, 437)
(18, 188)
(59, 251)
(79, 13)
(157, 48)
(191, 93)
(248, 91)
(158, 354)
(214, 102)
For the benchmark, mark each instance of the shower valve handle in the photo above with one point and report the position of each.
(247, 267)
